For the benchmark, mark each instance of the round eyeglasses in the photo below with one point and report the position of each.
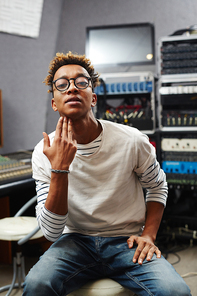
(62, 84)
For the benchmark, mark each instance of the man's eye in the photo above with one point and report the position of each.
(62, 85)
(82, 83)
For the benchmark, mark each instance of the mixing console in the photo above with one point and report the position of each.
(15, 166)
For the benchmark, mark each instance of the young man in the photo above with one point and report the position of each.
(89, 177)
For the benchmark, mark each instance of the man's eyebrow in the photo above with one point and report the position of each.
(78, 75)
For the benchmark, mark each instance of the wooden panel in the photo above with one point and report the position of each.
(5, 246)
(1, 120)
(4, 207)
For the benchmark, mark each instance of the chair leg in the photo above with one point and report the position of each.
(23, 269)
(18, 272)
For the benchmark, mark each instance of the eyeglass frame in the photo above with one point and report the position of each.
(88, 78)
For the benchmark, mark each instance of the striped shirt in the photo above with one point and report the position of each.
(89, 148)
(105, 195)
(54, 224)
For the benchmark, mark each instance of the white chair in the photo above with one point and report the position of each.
(19, 229)
(102, 287)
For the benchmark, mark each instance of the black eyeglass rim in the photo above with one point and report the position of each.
(89, 79)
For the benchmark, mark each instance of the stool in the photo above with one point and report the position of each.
(19, 229)
(103, 287)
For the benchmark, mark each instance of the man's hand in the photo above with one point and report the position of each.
(145, 248)
(145, 243)
(62, 151)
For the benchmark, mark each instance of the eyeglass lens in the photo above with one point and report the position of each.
(80, 82)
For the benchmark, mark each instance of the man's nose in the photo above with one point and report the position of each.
(72, 85)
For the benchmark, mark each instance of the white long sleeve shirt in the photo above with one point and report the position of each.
(105, 195)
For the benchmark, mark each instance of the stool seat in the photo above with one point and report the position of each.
(102, 287)
(16, 228)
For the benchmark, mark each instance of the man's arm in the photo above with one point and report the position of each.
(60, 154)
(145, 243)
(52, 225)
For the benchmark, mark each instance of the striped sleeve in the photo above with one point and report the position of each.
(51, 224)
(154, 181)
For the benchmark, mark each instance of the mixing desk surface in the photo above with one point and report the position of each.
(15, 167)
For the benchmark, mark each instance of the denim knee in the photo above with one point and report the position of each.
(175, 286)
(41, 282)
(175, 289)
(33, 284)
(172, 284)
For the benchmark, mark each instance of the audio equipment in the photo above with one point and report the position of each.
(177, 55)
(1, 120)
(127, 98)
(178, 103)
(179, 161)
(15, 166)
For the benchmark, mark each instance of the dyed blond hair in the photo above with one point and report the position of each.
(62, 59)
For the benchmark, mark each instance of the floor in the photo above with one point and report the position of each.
(183, 258)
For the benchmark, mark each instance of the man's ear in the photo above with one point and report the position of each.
(94, 100)
(53, 105)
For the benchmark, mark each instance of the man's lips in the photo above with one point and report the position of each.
(73, 100)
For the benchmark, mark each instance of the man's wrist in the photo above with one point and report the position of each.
(60, 171)
(149, 235)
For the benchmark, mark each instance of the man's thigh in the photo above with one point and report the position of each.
(74, 259)
(155, 277)
(65, 266)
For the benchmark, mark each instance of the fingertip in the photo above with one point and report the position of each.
(130, 245)
(158, 252)
(46, 138)
(70, 121)
(148, 259)
(59, 123)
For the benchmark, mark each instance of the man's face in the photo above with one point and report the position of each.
(74, 103)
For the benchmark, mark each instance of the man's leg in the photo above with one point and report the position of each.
(156, 277)
(65, 267)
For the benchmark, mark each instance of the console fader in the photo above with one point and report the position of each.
(15, 166)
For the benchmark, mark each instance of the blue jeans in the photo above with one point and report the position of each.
(74, 259)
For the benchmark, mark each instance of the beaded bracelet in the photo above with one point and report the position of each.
(60, 171)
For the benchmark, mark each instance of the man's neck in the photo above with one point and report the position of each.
(87, 130)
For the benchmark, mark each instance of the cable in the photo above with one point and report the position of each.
(102, 102)
(164, 243)
(181, 32)
(189, 274)
(163, 246)
(191, 29)
(179, 258)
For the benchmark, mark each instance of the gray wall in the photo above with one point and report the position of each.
(166, 15)
(23, 66)
(24, 61)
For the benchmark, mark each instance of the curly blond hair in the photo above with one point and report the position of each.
(62, 59)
